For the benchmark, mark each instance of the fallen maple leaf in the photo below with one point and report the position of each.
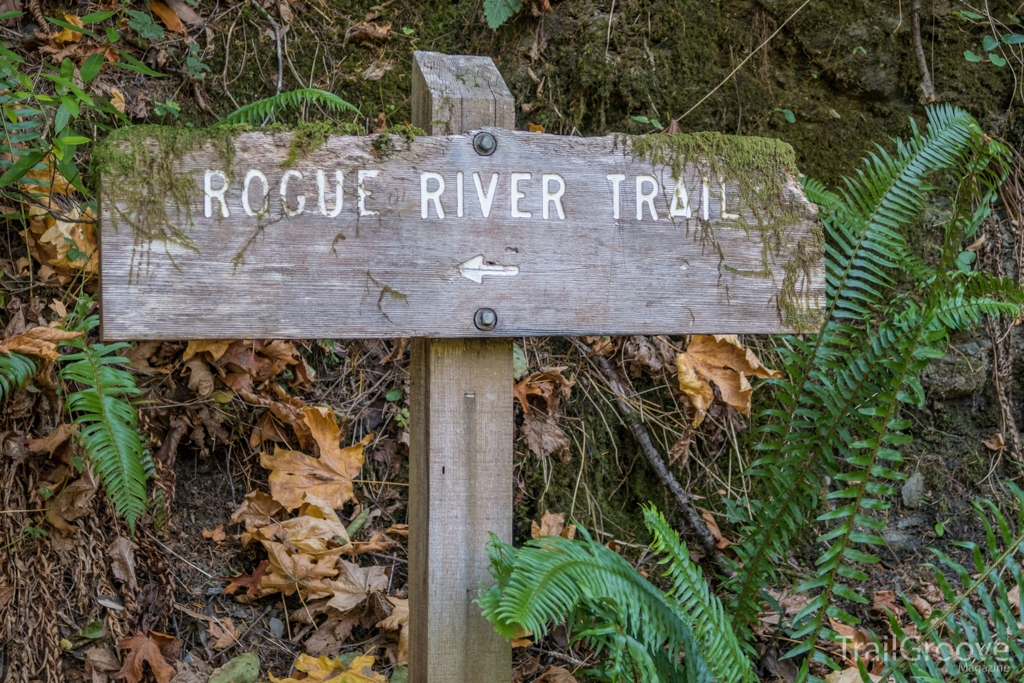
(324, 668)
(257, 509)
(719, 359)
(552, 524)
(216, 349)
(39, 341)
(398, 620)
(66, 35)
(544, 436)
(352, 585)
(549, 384)
(100, 665)
(293, 474)
(223, 634)
(216, 535)
(142, 650)
(122, 560)
(250, 582)
(291, 572)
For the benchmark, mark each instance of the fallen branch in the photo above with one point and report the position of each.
(922, 62)
(632, 419)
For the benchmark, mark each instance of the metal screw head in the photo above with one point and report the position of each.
(484, 144)
(485, 319)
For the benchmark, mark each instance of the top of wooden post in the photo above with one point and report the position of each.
(452, 94)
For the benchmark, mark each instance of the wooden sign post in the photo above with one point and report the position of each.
(462, 240)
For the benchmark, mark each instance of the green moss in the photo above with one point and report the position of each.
(763, 168)
(310, 137)
(139, 168)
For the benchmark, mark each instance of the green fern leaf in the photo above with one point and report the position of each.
(255, 113)
(15, 371)
(109, 424)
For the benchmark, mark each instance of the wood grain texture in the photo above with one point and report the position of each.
(397, 274)
(460, 462)
(460, 490)
(457, 93)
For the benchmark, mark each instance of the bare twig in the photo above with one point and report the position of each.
(922, 62)
(277, 39)
(633, 420)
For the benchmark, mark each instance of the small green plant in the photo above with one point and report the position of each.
(109, 424)
(144, 25)
(194, 62)
(167, 108)
(787, 114)
(653, 123)
(257, 112)
(497, 12)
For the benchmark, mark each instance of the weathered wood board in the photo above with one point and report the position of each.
(557, 235)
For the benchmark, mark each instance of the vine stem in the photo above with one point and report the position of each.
(633, 421)
(922, 61)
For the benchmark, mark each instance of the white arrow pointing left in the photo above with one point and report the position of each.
(475, 269)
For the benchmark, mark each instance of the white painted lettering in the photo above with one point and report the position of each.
(459, 194)
(217, 194)
(680, 196)
(646, 198)
(364, 193)
(705, 198)
(517, 195)
(485, 199)
(725, 215)
(616, 179)
(300, 200)
(265, 194)
(556, 196)
(426, 196)
(321, 184)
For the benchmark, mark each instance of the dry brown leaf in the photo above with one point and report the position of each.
(100, 665)
(39, 341)
(117, 100)
(549, 384)
(552, 524)
(719, 359)
(888, 600)
(555, 674)
(290, 572)
(329, 477)
(376, 71)
(142, 650)
(399, 621)
(1014, 597)
(52, 441)
(352, 585)
(122, 562)
(366, 31)
(267, 429)
(544, 436)
(66, 35)
(216, 349)
(400, 529)
(995, 442)
(257, 509)
(316, 530)
(140, 353)
(535, 128)
(216, 534)
(331, 635)
(720, 541)
(922, 606)
(223, 634)
(850, 675)
(167, 16)
(73, 502)
(250, 582)
(185, 13)
(324, 668)
(200, 379)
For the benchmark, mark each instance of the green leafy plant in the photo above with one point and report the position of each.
(109, 424)
(16, 370)
(612, 609)
(257, 112)
(497, 12)
(837, 412)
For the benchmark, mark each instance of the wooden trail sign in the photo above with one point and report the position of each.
(556, 235)
(475, 231)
